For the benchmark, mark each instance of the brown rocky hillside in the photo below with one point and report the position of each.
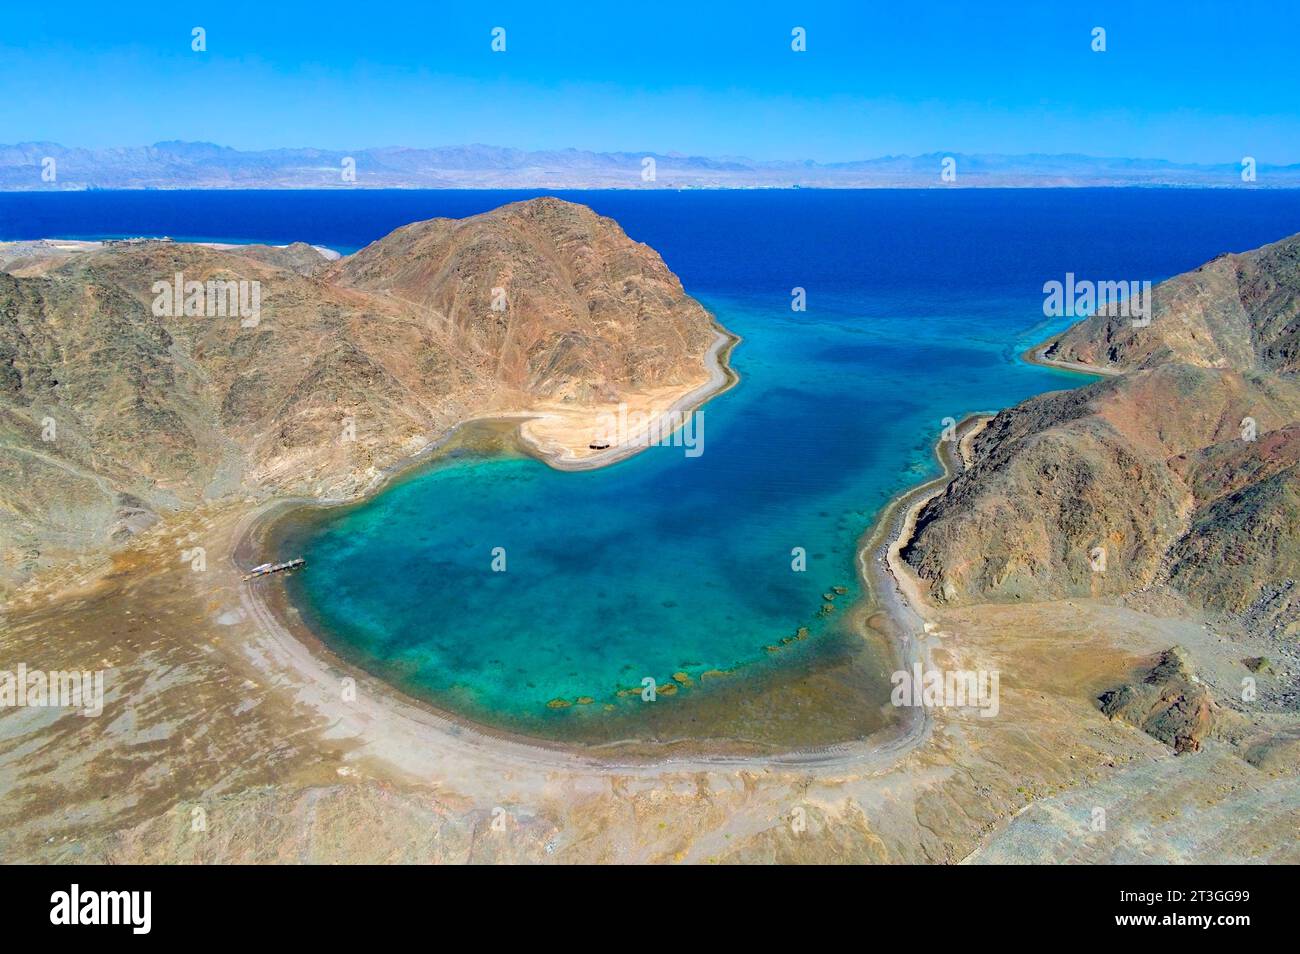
(1239, 311)
(111, 414)
(1184, 470)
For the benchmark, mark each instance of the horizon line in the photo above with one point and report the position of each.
(656, 153)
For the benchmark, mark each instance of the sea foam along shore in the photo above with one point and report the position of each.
(416, 736)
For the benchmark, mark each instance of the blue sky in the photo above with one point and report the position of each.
(1192, 81)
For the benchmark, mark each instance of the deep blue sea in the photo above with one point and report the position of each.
(918, 304)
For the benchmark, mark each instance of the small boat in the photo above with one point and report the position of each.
(598, 447)
(266, 569)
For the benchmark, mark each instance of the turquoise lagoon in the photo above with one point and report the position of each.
(919, 304)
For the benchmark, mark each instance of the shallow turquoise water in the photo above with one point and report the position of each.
(663, 563)
(918, 303)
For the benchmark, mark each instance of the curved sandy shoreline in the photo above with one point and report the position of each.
(721, 379)
(409, 722)
(1037, 355)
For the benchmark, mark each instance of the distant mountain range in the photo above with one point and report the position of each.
(39, 166)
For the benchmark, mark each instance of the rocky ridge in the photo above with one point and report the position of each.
(1181, 473)
(117, 406)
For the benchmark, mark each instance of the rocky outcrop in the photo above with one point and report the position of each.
(116, 406)
(1238, 311)
(1168, 703)
(544, 297)
(1183, 470)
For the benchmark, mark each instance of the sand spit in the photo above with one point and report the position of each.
(1037, 355)
(563, 437)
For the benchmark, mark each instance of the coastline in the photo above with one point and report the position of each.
(893, 591)
(300, 745)
(891, 609)
(721, 379)
(87, 245)
(1037, 355)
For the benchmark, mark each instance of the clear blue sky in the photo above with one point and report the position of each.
(1187, 80)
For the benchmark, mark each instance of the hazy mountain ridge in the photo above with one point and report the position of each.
(185, 165)
(1183, 471)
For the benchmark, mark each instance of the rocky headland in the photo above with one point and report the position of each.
(1171, 485)
(1181, 474)
(124, 398)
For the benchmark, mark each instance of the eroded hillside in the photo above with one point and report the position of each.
(1238, 311)
(1181, 472)
(118, 402)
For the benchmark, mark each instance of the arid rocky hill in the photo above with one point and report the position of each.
(111, 413)
(1182, 472)
(576, 299)
(1238, 311)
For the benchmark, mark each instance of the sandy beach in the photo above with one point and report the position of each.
(1036, 355)
(894, 608)
(556, 433)
(290, 764)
